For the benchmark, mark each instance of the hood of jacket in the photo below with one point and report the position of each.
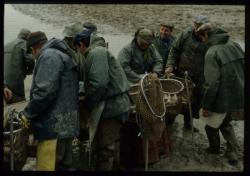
(219, 36)
(56, 44)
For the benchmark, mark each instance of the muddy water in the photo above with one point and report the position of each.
(14, 21)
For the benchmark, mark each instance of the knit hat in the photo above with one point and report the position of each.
(72, 29)
(34, 38)
(85, 34)
(200, 19)
(146, 35)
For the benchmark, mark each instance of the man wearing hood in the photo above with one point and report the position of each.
(140, 56)
(187, 54)
(53, 106)
(17, 65)
(104, 80)
(224, 88)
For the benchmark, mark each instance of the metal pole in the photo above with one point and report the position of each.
(11, 142)
(146, 153)
(190, 108)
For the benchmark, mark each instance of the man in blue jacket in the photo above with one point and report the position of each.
(53, 106)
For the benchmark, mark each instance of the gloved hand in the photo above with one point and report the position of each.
(25, 123)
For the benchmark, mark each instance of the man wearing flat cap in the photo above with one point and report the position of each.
(106, 89)
(163, 41)
(224, 89)
(140, 56)
(17, 65)
(53, 106)
(187, 54)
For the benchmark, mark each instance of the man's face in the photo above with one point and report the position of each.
(203, 36)
(142, 44)
(81, 47)
(196, 26)
(165, 32)
(34, 52)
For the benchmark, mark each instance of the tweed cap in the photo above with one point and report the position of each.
(205, 27)
(200, 19)
(34, 38)
(168, 25)
(24, 33)
(146, 35)
(72, 29)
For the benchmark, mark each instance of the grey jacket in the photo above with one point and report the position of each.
(105, 80)
(17, 64)
(136, 62)
(53, 106)
(224, 74)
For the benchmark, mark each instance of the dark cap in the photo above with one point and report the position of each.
(35, 38)
(168, 25)
(85, 34)
(90, 26)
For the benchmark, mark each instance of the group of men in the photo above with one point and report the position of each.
(81, 64)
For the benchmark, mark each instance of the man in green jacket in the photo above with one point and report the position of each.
(224, 88)
(140, 56)
(163, 41)
(187, 54)
(17, 65)
(104, 80)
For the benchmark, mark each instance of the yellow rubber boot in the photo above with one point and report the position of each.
(46, 155)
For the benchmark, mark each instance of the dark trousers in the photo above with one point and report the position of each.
(106, 145)
(64, 154)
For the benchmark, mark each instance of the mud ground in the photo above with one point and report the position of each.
(127, 18)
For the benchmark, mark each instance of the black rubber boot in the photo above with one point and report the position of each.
(227, 131)
(213, 139)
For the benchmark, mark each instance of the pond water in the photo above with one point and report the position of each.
(14, 21)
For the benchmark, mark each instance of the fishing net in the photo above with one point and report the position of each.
(149, 106)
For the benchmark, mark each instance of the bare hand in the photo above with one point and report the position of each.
(169, 69)
(206, 113)
(7, 93)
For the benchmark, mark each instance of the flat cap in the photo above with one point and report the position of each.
(146, 34)
(205, 27)
(72, 29)
(200, 19)
(34, 38)
(90, 26)
(168, 25)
